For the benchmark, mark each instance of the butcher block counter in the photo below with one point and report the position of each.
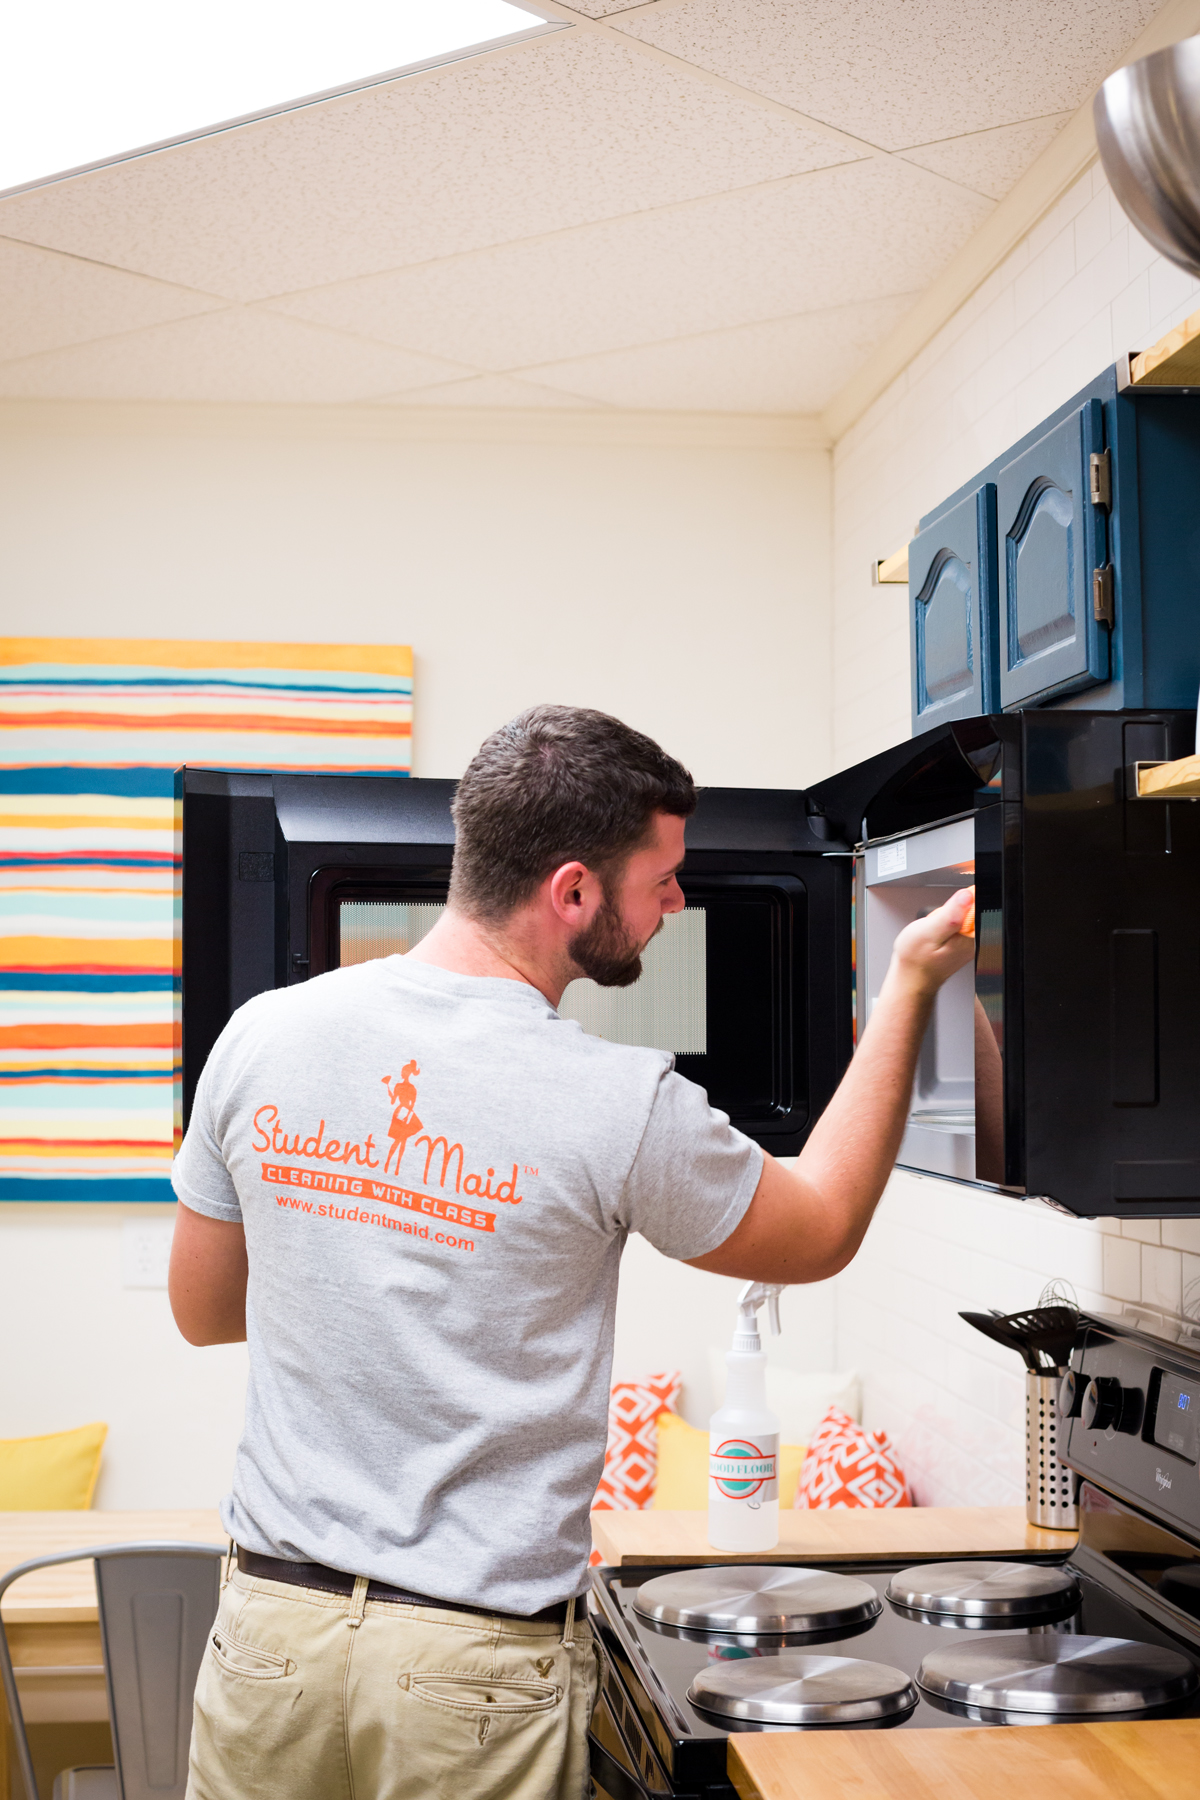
(839, 1535)
(1148, 1760)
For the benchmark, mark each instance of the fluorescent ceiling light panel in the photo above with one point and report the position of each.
(90, 81)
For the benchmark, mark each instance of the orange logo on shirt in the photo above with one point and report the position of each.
(405, 1128)
(405, 1123)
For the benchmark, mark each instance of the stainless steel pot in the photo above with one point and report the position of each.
(1148, 130)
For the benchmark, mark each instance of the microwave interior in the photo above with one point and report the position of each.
(898, 881)
(721, 985)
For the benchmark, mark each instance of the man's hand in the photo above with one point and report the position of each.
(804, 1224)
(931, 949)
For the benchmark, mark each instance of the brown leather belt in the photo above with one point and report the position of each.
(336, 1581)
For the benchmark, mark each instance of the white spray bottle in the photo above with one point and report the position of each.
(743, 1437)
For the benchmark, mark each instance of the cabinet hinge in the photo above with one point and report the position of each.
(1100, 477)
(1103, 592)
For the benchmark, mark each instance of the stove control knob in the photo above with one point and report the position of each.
(1070, 1394)
(1107, 1403)
(1101, 1403)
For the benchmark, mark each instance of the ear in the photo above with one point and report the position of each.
(574, 893)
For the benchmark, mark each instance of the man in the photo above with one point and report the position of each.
(430, 1353)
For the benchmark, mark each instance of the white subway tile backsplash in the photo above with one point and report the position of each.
(1182, 1234)
(1122, 1269)
(1171, 290)
(1059, 261)
(1131, 316)
(1191, 1286)
(1029, 292)
(1093, 228)
(1162, 1277)
(1146, 1231)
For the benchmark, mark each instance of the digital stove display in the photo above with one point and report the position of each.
(1177, 1416)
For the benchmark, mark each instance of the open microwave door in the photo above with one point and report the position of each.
(287, 877)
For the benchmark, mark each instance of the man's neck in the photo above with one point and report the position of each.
(466, 946)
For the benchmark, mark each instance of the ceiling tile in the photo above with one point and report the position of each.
(52, 300)
(835, 237)
(557, 131)
(504, 391)
(601, 9)
(780, 366)
(231, 356)
(905, 74)
(990, 161)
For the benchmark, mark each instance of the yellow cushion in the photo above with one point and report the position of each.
(682, 1484)
(56, 1473)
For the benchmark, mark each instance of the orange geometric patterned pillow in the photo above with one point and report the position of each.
(631, 1459)
(847, 1466)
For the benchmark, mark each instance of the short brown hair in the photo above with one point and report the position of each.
(556, 784)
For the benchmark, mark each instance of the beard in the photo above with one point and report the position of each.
(605, 951)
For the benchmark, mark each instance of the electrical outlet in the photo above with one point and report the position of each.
(145, 1252)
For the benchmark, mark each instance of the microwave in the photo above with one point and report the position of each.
(287, 876)
(1064, 1063)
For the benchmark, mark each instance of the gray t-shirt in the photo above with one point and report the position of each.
(437, 1175)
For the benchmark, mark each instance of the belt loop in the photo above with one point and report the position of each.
(229, 1554)
(568, 1636)
(354, 1617)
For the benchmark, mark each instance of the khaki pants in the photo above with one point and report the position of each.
(312, 1696)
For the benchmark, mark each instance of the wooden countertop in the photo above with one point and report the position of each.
(845, 1534)
(67, 1594)
(1154, 1760)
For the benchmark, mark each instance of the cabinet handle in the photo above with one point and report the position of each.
(1100, 477)
(1103, 601)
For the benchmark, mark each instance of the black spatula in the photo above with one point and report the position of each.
(1043, 1335)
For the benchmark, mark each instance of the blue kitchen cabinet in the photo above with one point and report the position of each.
(952, 580)
(1053, 629)
(1095, 600)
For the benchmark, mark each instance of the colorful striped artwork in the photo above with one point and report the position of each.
(91, 732)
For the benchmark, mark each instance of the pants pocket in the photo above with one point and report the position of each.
(248, 1660)
(499, 1696)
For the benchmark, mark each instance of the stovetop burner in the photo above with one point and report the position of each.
(744, 1603)
(983, 1595)
(1061, 1675)
(798, 1689)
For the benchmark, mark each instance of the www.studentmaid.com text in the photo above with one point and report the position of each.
(355, 1215)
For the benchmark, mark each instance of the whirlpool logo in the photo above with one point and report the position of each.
(1162, 1479)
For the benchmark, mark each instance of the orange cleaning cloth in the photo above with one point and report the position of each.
(967, 928)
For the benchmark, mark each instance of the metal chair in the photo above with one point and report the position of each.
(157, 1603)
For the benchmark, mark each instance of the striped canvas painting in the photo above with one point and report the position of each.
(91, 731)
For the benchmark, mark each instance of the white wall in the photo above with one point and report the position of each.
(1079, 291)
(681, 585)
(675, 575)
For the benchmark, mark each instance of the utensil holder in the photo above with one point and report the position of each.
(1049, 1484)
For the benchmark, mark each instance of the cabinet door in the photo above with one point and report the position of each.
(952, 580)
(1052, 540)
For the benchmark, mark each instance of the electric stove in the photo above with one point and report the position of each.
(1112, 1631)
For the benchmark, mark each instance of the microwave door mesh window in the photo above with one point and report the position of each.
(372, 928)
(667, 1007)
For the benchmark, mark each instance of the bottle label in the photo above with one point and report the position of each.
(745, 1468)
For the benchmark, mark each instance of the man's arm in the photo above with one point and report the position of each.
(805, 1224)
(207, 1279)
